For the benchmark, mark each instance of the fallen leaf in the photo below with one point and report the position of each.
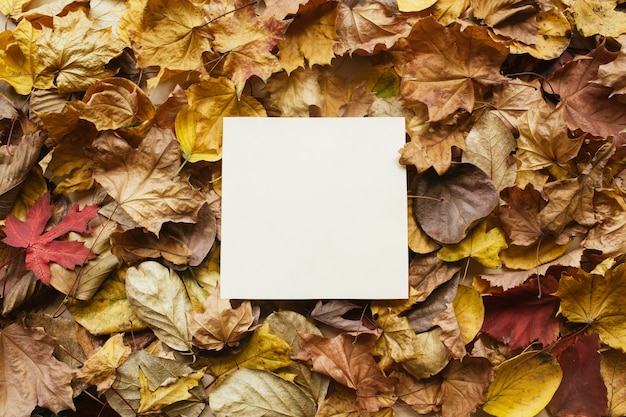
(594, 299)
(524, 314)
(554, 32)
(523, 385)
(598, 17)
(447, 82)
(519, 214)
(350, 363)
(427, 272)
(450, 332)
(254, 392)
(366, 26)
(608, 236)
(463, 386)
(611, 74)
(613, 370)
(419, 242)
(481, 245)
(141, 179)
(514, 19)
(470, 312)
(512, 100)
(433, 355)
(159, 299)
(16, 53)
(543, 251)
(414, 5)
(422, 313)
(293, 94)
(422, 396)
(582, 391)
(310, 38)
(332, 312)
(99, 369)
(460, 198)
(41, 246)
(151, 400)
(43, 381)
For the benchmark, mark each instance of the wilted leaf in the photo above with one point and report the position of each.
(42, 380)
(428, 272)
(519, 214)
(596, 300)
(523, 385)
(433, 355)
(459, 199)
(446, 82)
(151, 400)
(613, 369)
(258, 393)
(423, 396)
(99, 369)
(158, 297)
(463, 386)
(481, 245)
(331, 313)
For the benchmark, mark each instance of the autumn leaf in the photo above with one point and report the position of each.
(43, 380)
(141, 179)
(99, 369)
(481, 245)
(594, 300)
(293, 94)
(351, 364)
(167, 393)
(332, 313)
(220, 325)
(613, 370)
(598, 17)
(451, 199)
(447, 82)
(523, 385)
(41, 246)
(17, 66)
(519, 214)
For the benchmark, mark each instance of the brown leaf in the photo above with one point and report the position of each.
(140, 179)
(460, 198)
(422, 314)
(519, 214)
(42, 380)
(513, 99)
(514, 19)
(332, 312)
(463, 386)
(423, 396)
(609, 235)
(293, 94)
(347, 358)
(448, 81)
(368, 25)
(220, 325)
(428, 272)
(613, 369)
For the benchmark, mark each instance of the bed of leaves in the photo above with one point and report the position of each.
(110, 199)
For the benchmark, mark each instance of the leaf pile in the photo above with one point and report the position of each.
(110, 199)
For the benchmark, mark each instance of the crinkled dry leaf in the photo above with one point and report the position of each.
(613, 369)
(100, 368)
(293, 94)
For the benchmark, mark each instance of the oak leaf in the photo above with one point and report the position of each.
(481, 245)
(523, 385)
(522, 315)
(368, 25)
(613, 370)
(41, 246)
(350, 363)
(596, 300)
(42, 380)
(99, 369)
(220, 325)
(447, 82)
(141, 179)
(72, 56)
(582, 391)
(460, 198)
(254, 392)
(310, 38)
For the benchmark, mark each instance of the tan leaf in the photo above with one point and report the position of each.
(613, 369)
(293, 94)
(367, 26)
(464, 383)
(141, 179)
(427, 272)
(220, 325)
(99, 369)
(519, 214)
(609, 235)
(512, 100)
(342, 402)
(41, 379)
(423, 396)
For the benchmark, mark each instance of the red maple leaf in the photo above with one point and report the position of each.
(41, 248)
(518, 316)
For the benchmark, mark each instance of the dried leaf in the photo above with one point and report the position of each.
(293, 94)
(481, 245)
(613, 369)
(100, 368)
(151, 400)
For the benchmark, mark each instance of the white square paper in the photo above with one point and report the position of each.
(313, 208)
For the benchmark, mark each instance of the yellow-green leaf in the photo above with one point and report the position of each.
(480, 245)
(523, 385)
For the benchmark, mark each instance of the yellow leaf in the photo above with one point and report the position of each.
(72, 56)
(528, 257)
(186, 134)
(480, 245)
(311, 37)
(613, 369)
(447, 11)
(155, 400)
(211, 100)
(264, 351)
(293, 94)
(34, 186)
(598, 301)
(598, 17)
(414, 5)
(99, 369)
(523, 385)
(70, 164)
(419, 242)
(16, 62)
(553, 36)
(470, 312)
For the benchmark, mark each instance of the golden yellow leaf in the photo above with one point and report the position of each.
(72, 56)
(419, 242)
(432, 355)
(334, 90)
(447, 11)
(527, 257)
(598, 301)
(188, 138)
(523, 385)
(16, 56)
(212, 99)
(99, 369)
(553, 36)
(414, 5)
(598, 17)
(310, 38)
(480, 245)
(470, 312)
(613, 369)
(264, 351)
(169, 393)
(293, 94)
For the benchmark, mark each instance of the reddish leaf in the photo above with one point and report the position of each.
(518, 316)
(41, 248)
(582, 392)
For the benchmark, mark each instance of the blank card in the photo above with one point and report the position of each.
(313, 208)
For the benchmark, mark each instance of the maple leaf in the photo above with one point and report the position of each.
(519, 215)
(582, 391)
(447, 81)
(43, 380)
(41, 247)
(368, 25)
(351, 364)
(587, 104)
(518, 316)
